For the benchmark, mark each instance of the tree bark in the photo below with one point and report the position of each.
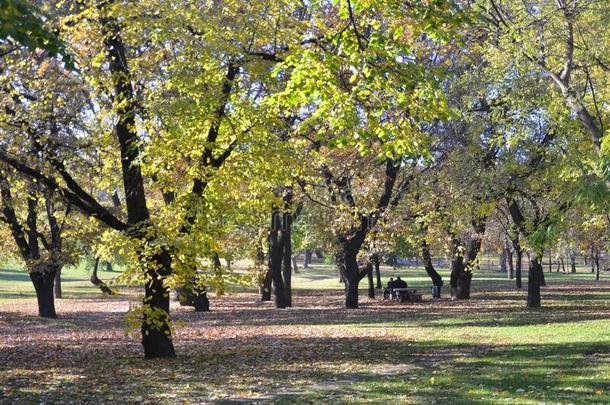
(436, 278)
(275, 258)
(156, 336)
(43, 278)
(597, 265)
(369, 274)
(503, 260)
(58, 284)
(534, 283)
(573, 262)
(287, 258)
(518, 263)
(511, 269)
(99, 283)
(307, 258)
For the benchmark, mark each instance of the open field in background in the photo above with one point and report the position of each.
(485, 351)
(15, 283)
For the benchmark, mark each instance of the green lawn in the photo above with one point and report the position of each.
(485, 351)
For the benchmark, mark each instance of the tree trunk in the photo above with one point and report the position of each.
(464, 282)
(156, 333)
(319, 254)
(563, 265)
(436, 278)
(350, 273)
(275, 259)
(99, 283)
(295, 266)
(369, 275)
(550, 261)
(43, 278)
(58, 283)
(377, 270)
(573, 262)
(503, 260)
(518, 264)
(597, 266)
(287, 259)
(533, 283)
(109, 267)
(265, 289)
(307, 258)
(511, 269)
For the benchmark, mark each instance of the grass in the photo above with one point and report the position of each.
(485, 351)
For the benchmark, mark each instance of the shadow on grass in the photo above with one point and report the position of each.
(339, 370)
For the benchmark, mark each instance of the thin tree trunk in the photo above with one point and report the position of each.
(436, 278)
(265, 289)
(518, 265)
(563, 265)
(377, 270)
(99, 283)
(287, 259)
(503, 260)
(307, 258)
(295, 266)
(509, 260)
(550, 261)
(58, 284)
(597, 265)
(573, 262)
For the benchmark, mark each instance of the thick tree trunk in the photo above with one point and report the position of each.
(350, 273)
(377, 271)
(464, 282)
(351, 293)
(563, 265)
(58, 283)
(43, 278)
(156, 333)
(275, 259)
(534, 283)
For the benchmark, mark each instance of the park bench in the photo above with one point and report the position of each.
(406, 294)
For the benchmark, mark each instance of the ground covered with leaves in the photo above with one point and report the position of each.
(487, 350)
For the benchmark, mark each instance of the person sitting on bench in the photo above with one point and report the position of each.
(399, 283)
(388, 291)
